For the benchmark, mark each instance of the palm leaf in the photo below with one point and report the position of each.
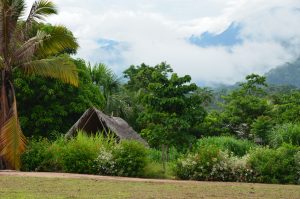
(12, 140)
(26, 51)
(40, 10)
(61, 68)
(60, 39)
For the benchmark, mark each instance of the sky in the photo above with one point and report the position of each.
(214, 41)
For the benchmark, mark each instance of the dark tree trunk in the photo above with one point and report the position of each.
(4, 108)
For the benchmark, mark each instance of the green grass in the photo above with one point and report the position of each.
(38, 187)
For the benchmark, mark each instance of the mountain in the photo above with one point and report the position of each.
(287, 74)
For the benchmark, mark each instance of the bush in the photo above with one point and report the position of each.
(35, 155)
(230, 144)
(286, 133)
(77, 155)
(212, 164)
(40, 155)
(80, 153)
(128, 158)
(275, 165)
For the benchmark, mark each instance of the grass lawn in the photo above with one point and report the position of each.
(16, 187)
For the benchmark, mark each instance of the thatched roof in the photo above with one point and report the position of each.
(93, 121)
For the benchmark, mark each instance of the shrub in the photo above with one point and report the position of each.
(105, 162)
(40, 155)
(224, 143)
(80, 153)
(286, 133)
(128, 158)
(212, 164)
(275, 165)
(35, 155)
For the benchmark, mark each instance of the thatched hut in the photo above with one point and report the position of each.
(93, 121)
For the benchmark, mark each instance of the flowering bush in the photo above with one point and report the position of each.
(128, 158)
(212, 164)
(106, 164)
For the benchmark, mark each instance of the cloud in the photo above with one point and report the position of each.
(136, 31)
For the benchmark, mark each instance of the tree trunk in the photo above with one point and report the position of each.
(4, 108)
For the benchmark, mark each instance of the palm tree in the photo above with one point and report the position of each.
(117, 101)
(33, 55)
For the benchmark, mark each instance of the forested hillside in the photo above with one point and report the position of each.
(287, 74)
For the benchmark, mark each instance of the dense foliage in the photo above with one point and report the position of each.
(229, 144)
(249, 132)
(172, 107)
(276, 165)
(28, 47)
(54, 106)
(86, 154)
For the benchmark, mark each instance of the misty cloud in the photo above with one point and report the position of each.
(156, 31)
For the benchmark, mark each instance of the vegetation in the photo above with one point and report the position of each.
(171, 106)
(199, 143)
(55, 106)
(86, 154)
(235, 146)
(276, 165)
(248, 133)
(32, 51)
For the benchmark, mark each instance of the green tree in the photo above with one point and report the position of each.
(286, 107)
(244, 105)
(172, 107)
(30, 55)
(55, 106)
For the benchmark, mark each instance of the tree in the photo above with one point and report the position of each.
(244, 105)
(172, 107)
(286, 107)
(55, 106)
(118, 102)
(31, 55)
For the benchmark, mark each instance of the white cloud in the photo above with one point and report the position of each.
(157, 30)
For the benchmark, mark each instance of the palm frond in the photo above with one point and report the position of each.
(61, 68)
(59, 40)
(41, 9)
(12, 140)
(26, 51)
(1, 63)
